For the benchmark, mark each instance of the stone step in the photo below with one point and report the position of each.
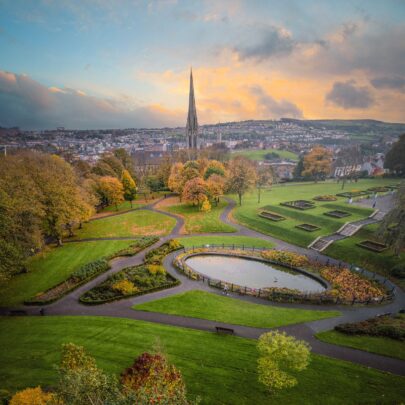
(321, 244)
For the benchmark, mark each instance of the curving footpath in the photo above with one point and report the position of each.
(69, 305)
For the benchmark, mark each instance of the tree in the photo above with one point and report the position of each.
(129, 186)
(152, 380)
(264, 178)
(395, 158)
(392, 227)
(280, 354)
(110, 190)
(215, 187)
(195, 191)
(214, 167)
(299, 168)
(206, 206)
(82, 382)
(33, 396)
(242, 176)
(349, 158)
(317, 163)
(175, 181)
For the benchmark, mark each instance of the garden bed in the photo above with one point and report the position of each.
(337, 214)
(373, 246)
(379, 189)
(87, 272)
(352, 194)
(272, 216)
(326, 197)
(308, 227)
(299, 204)
(137, 280)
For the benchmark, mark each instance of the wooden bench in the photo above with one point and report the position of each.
(17, 312)
(221, 329)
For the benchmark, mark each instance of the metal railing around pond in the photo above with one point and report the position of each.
(274, 294)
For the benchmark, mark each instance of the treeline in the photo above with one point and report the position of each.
(43, 197)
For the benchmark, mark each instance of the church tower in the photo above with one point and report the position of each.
(192, 123)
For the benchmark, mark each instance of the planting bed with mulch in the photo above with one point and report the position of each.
(272, 216)
(299, 204)
(337, 214)
(308, 227)
(373, 246)
(326, 197)
(351, 194)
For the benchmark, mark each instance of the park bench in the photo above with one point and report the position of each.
(221, 329)
(15, 312)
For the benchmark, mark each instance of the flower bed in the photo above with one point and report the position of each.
(87, 272)
(337, 214)
(137, 280)
(355, 193)
(346, 287)
(326, 197)
(373, 246)
(380, 189)
(272, 216)
(308, 227)
(299, 204)
(386, 326)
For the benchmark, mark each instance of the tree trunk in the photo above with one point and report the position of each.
(116, 207)
(240, 198)
(258, 196)
(131, 204)
(59, 242)
(343, 182)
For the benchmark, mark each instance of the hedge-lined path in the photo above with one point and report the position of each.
(69, 305)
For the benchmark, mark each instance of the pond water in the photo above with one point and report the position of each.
(251, 273)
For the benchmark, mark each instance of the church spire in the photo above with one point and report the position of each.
(192, 123)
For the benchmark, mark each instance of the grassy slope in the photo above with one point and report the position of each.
(134, 223)
(53, 266)
(259, 154)
(374, 344)
(201, 222)
(227, 240)
(222, 369)
(205, 305)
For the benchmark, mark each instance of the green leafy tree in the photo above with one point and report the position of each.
(395, 158)
(242, 176)
(129, 186)
(279, 355)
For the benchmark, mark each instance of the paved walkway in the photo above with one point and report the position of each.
(69, 305)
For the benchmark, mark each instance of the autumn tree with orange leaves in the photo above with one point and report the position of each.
(317, 163)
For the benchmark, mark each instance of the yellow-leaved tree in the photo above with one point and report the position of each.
(129, 186)
(317, 163)
(110, 190)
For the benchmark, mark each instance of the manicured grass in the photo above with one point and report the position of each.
(259, 154)
(380, 345)
(205, 305)
(125, 206)
(347, 250)
(53, 266)
(134, 223)
(227, 240)
(201, 222)
(221, 369)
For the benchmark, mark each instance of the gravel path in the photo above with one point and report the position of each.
(69, 305)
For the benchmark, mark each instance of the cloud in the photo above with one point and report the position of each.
(389, 82)
(31, 105)
(273, 41)
(347, 95)
(268, 107)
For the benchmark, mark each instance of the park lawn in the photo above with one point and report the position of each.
(131, 224)
(227, 240)
(259, 154)
(206, 305)
(347, 250)
(201, 222)
(247, 214)
(54, 265)
(124, 206)
(375, 344)
(221, 369)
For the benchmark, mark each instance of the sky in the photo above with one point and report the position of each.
(87, 64)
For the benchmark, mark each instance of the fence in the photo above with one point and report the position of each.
(277, 295)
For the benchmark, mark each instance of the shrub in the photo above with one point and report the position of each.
(156, 269)
(285, 257)
(125, 287)
(398, 270)
(32, 396)
(90, 269)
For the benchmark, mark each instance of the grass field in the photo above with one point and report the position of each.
(53, 266)
(259, 154)
(134, 223)
(200, 222)
(125, 206)
(227, 240)
(205, 305)
(346, 249)
(380, 345)
(221, 369)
